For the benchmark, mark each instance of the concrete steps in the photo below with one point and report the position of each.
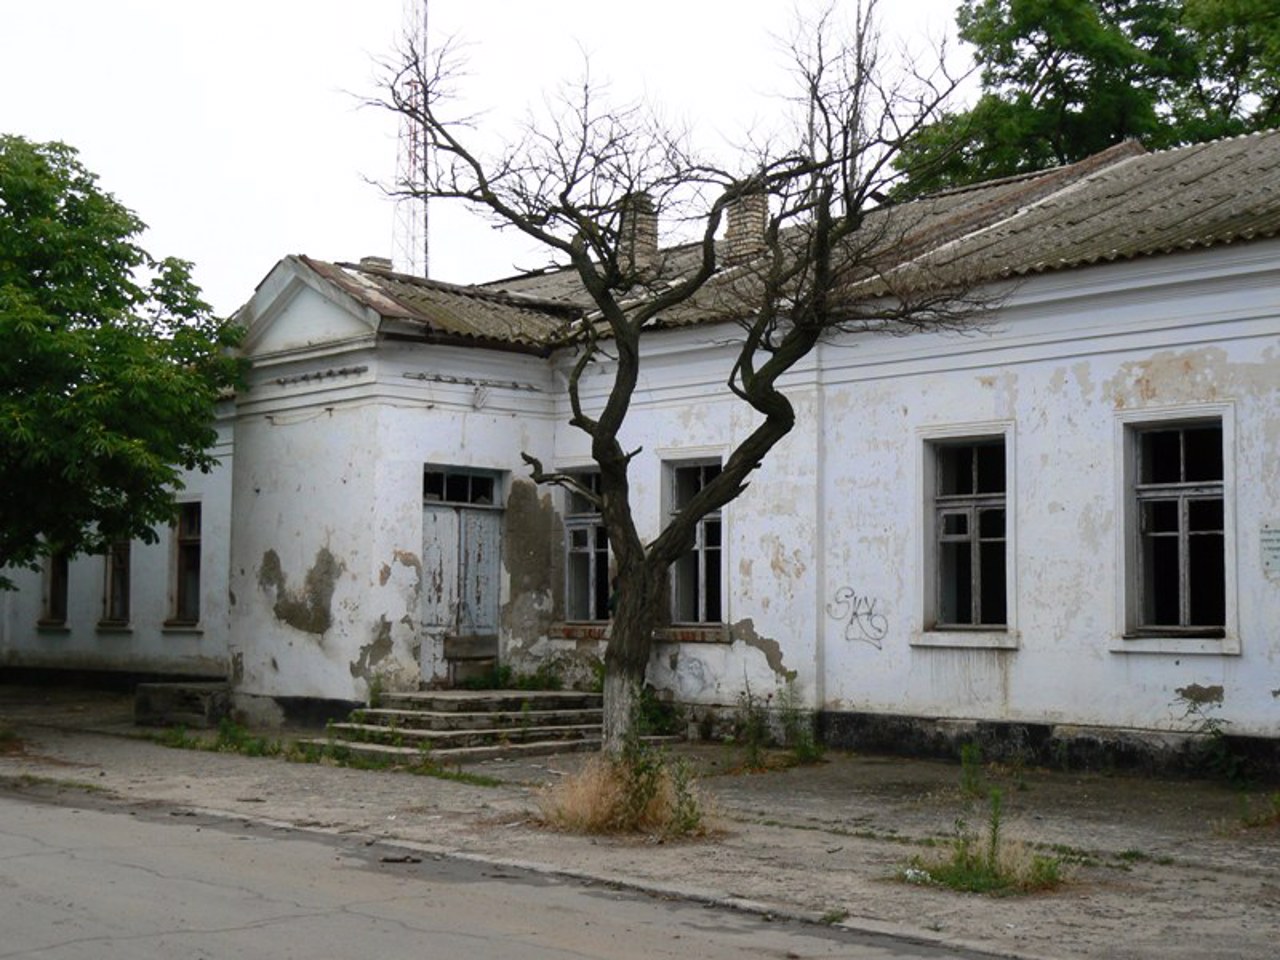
(460, 726)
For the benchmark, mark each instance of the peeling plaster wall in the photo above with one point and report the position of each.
(1071, 361)
(467, 425)
(302, 552)
(147, 645)
(825, 552)
(532, 553)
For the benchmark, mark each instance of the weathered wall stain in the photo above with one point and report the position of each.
(310, 609)
(532, 548)
(1189, 375)
(407, 558)
(1201, 695)
(745, 631)
(372, 653)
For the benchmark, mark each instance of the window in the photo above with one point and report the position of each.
(186, 607)
(55, 589)
(115, 607)
(1179, 547)
(587, 564)
(695, 577)
(473, 487)
(969, 531)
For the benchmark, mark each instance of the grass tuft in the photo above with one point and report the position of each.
(641, 791)
(987, 862)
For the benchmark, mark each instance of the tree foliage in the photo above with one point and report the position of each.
(1063, 79)
(581, 177)
(110, 363)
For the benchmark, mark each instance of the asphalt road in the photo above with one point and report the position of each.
(98, 881)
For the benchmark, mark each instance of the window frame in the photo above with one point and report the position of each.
(928, 631)
(187, 544)
(117, 571)
(1132, 634)
(452, 481)
(55, 598)
(701, 550)
(588, 522)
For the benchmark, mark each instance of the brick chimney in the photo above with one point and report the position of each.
(638, 233)
(744, 234)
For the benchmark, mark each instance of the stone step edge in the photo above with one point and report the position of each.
(514, 716)
(446, 735)
(528, 748)
(452, 701)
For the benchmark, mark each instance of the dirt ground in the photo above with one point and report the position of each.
(1157, 868)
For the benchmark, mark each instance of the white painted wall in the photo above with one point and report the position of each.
(147, 644)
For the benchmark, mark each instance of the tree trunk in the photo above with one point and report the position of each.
(620, 693)
(637, 614)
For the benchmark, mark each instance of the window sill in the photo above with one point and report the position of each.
(52, 626)
(680, 633)
(581, 630)
(175, 626)
(967, 639)
(1186, 646)
(114, 626)
(694, 633)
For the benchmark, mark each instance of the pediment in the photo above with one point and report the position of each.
(294, 309)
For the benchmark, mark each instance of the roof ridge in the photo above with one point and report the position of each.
(1203, 144)
(1124, 150)
(512, 298)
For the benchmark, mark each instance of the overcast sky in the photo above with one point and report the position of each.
(232, 128)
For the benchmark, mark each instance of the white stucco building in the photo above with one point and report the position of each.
(1069, 517)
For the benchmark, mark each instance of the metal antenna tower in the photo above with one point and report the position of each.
(410, 234)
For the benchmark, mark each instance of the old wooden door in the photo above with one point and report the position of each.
(461, 549)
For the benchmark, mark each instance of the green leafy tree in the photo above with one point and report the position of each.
(1063, 79)
(110, 364)
(1235, 87)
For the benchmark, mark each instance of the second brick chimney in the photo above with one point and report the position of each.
(744, 234)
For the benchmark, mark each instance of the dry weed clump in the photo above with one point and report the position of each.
(641, 791)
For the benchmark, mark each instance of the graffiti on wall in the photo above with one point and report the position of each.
(862, 622)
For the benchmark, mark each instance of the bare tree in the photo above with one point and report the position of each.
(827, 258)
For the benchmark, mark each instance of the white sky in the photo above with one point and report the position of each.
(232, 128)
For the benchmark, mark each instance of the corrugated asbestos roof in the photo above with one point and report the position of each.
(446, 310)
(1197, 196)
(1123, 203)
